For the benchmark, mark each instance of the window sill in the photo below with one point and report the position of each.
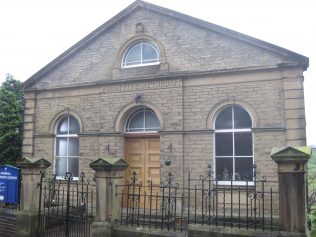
(141, 65)
(62, 178)
(243, 185)
(140, 71)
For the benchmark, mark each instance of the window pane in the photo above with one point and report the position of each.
(243, 144)
(151, 121)
(63, 126)
(137, 120)
(242, 118)
(224, 168)
(73, 166)
(61, 146)
(224, 144)
(149, 53)
(133, 55)
(73, 146)
(61, 166)
(224, 119)
(74, 127)
(243, 167)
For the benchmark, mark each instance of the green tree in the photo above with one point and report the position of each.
(11, 120)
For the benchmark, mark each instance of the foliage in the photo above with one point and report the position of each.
(311, 204)
(11, 120)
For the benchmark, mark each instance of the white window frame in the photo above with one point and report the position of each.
(141, 62)
(143, 128)
(68, 136)
(233, 130)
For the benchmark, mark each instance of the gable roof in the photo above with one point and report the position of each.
(300, 59)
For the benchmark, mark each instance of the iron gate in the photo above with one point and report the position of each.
(66, 206)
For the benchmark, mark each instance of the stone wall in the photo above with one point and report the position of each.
(200, 71)
(199, 231)
(187, 106)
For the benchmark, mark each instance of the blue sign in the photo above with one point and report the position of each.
(9, 184)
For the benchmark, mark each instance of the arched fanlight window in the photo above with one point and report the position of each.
(143, 120)
(233, 144)
(141, 54)
(67, 147)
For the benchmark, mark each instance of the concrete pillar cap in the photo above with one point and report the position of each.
(291, 154)
(33, 162)
(109, 163)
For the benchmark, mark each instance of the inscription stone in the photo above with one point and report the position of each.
(141, 85)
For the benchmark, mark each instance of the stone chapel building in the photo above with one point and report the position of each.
(155, 86)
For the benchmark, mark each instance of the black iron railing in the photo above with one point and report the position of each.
(251, 204)
(66, 207)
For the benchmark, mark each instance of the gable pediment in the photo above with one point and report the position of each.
(190, 45)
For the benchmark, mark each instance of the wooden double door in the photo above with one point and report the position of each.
(143, 156)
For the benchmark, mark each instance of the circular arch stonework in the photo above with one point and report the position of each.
(60, 115)
(136, 39)
(128, 109)
(217, 108)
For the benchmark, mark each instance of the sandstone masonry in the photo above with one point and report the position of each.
(203, 68)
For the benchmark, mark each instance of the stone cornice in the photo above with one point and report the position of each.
(182, 75)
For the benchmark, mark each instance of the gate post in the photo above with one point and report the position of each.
(108, 173)
(292, 187)
(27, 218)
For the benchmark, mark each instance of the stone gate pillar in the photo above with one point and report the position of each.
(292, 186)
(109, 171)
(31, 169)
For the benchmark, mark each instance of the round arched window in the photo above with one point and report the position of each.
(141, 54)
(67, 147)
(143, 120)
(233, 144)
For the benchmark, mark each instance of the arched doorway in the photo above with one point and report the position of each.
(142, 146)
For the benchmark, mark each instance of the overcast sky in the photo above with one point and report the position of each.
(34, 32)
